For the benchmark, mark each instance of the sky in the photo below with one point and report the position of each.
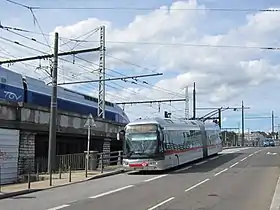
(186, 40)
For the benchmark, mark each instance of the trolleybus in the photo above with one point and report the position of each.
(162, 143)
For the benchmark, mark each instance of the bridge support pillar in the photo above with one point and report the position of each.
(26, 152)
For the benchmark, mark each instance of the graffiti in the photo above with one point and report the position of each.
(5, 156)
(11, 95)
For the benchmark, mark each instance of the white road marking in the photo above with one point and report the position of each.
(154, 178)
(258, 151)
(59, 207)
(216, 174)
(200, 163)
(227, 151)
(269, 153)
(243, 159)
(196, 185)
(183, 169)
(160, 204)
(112, 191)
(234, 164)
(213, 158)
(275, 204)
(250, 155)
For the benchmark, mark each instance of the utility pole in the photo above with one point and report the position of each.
(194, 102)
(53, 119)
(272, 124)
(220, 117)
(101, 92)
(187, 103)
(242, 123)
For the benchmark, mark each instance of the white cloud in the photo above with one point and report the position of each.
(222, 75)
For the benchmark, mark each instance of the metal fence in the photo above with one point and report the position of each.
(97, 161)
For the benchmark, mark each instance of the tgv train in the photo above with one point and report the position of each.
(161, 143)
(15, 88)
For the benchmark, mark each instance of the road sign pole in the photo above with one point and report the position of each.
(89, 123)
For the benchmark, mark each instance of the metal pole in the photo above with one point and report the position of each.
(52, 128)
(272, 124)
(242, 124)
(220, 118)
(194, 102)
(187, 103)
(88, 144)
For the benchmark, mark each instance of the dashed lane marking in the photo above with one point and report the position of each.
(183, 169)
(216, 174)
(196, 185)
(59, 207)
(213, 158)
(234, 164)
(200, 163)
(243, 159)
(160, 204)
(112, 191)
(154, 178)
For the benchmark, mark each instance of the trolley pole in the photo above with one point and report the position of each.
(53, 116)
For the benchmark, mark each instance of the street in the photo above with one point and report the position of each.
(240, 178)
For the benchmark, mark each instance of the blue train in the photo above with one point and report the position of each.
(16, 88)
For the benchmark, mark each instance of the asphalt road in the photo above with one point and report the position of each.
(236, 179)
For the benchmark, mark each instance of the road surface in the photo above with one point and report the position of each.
(241, 178)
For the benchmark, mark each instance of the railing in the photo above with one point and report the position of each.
(97, 161)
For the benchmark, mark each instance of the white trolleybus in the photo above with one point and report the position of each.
(162, 143)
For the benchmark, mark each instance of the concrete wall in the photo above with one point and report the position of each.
(30, 118)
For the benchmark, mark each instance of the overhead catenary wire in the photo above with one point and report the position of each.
(156, 8)
(167, 44)
(154, 86)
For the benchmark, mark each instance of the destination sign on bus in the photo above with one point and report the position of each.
(141, 128)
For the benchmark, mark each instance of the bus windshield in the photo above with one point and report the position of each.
(141, 140)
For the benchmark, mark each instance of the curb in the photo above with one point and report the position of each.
(27, 191)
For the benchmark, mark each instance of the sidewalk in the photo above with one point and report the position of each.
(76, 177)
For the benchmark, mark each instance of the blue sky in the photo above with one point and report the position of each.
(260, 98)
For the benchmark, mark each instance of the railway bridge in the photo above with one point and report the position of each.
(32, 124)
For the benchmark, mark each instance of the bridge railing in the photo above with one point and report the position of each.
(97, 161)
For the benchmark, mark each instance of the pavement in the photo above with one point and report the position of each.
(11, 190)
(239, 178)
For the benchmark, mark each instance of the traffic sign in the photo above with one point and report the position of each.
(90, 121)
